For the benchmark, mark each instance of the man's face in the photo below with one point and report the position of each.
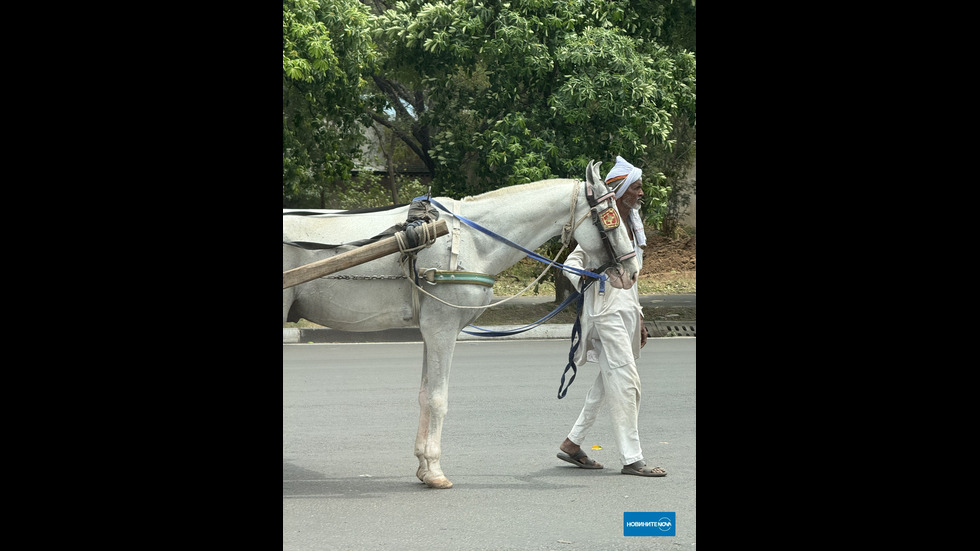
(633, 196)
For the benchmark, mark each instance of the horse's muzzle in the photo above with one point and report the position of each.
(619, 279)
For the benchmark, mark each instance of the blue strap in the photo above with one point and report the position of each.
(576, 341)
(488, 333)
(530, 253)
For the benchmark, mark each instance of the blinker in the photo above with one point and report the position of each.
(609, 219)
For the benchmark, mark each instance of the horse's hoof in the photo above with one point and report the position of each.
(439, 482)
(421, 473)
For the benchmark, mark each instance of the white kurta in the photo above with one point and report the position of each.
(611, 326)
(607, 317)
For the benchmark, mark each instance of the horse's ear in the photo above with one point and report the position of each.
(589, 175)
(596, 177)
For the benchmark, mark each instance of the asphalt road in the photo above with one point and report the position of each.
(350, 415)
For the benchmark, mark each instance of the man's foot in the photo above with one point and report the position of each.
(569, 447)
(640, 469)
(572, 453)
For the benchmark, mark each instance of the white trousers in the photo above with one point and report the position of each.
(620, 387)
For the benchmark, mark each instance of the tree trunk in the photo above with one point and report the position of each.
(563, 287)
(391, 170)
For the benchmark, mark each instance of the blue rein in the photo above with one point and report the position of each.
(530, 253)
(489, 333)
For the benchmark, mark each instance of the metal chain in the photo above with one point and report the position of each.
(365, 277)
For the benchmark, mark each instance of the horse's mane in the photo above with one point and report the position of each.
(321, 212)
(512, 190)
(497, 193)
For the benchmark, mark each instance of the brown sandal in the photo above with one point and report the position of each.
(640, 469)
(580, 459)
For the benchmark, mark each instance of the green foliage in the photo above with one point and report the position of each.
(367, 191)
(656, 198)
(324, 51)
(525, 90)
(486, 93)
(307, 50)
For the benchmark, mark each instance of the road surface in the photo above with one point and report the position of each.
(350, 415)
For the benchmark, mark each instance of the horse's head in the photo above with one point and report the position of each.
(606, 237)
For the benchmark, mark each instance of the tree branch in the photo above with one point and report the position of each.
(397, 95)
(422, 154)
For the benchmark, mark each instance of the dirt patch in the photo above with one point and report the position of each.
(665, 256)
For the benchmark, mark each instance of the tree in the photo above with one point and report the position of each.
(492, 93)
(325, 50)
(485, 93)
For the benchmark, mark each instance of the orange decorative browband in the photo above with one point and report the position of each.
(609, 219)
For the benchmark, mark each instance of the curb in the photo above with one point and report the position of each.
(546, 331)
(658, 328)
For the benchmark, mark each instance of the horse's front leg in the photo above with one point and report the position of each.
(434, 403)
(423, 433)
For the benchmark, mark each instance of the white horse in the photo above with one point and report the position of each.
(527, 214)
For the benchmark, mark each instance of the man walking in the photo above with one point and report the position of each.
(613, 334)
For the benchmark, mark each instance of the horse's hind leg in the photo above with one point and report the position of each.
(287, 302)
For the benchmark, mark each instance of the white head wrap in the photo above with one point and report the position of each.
(616, 178)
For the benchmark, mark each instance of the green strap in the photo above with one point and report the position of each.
(473, 278)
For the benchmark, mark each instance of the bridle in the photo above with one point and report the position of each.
(605, 221)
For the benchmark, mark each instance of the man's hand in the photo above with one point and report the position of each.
(643, 335)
